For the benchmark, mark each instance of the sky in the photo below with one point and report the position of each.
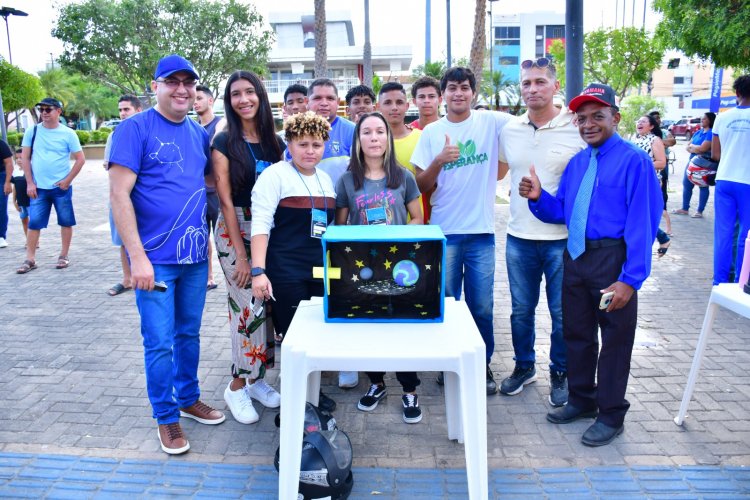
(392, 22)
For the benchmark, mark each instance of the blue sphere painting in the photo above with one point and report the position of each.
(365, 273)
(405, 273)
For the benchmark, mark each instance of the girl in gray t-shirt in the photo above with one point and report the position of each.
(377, 190)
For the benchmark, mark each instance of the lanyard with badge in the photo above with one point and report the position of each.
(319, 218)
(260, 165)
(375, 216)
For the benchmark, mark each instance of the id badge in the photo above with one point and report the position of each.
(376, 216)
(318, 223)
(260, 166)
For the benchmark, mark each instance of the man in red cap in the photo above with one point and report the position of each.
(609, 198)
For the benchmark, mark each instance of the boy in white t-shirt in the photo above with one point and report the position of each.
(457, 156)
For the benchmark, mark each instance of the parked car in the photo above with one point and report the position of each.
(111, 123)
(666, 124)
(686, 127)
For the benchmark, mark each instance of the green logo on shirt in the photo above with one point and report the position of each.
(468, 156)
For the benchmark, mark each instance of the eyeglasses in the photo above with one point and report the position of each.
(174, 83)
(542, 62)
(46, 110)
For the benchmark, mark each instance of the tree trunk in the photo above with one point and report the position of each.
(476, 58)
(321, 48)
(367, 56)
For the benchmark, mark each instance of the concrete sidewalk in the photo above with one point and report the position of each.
(73, 391)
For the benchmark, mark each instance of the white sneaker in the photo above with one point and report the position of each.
(348, 380)
(3, 243)
(264, 394)
(240, 405)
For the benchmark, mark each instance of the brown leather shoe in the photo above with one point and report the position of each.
(203, 413)
(172, 440)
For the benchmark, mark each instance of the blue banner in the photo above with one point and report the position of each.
(716, 90)
(727, 101)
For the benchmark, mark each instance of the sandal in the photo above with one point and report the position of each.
(62, 262)
(212, 286)
(28, 265)
(662, 251)
(118, 289)
(680, 211)
(697, 215)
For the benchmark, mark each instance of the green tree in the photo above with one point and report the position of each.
(557, 51)
(476, 56)
(120, 41)
(632, 108)
(81, 96)
(492, 86)
(622, 58)
(434, 69)
(709, 30)
(21, 90)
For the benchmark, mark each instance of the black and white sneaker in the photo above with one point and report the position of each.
(412, 412)
(370, 401)
(558, 394)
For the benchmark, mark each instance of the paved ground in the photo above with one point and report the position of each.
(76, 419)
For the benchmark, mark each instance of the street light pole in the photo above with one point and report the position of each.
(5, 12)
(448, 16)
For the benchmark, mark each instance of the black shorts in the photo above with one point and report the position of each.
(22, 197)
(212, 212)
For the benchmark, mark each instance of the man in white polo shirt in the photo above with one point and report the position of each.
(546, 138)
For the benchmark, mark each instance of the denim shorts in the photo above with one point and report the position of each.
(41, 206)
(24, 213)
(116, 240)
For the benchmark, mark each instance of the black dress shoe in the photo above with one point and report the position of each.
(600, 434)
(491, 385)
(325, 403)
(568, 414)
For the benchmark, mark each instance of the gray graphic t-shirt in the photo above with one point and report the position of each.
(375, 195)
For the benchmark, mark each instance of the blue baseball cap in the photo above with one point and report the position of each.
(173, 63)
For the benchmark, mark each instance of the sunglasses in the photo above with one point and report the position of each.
(46, 110)
(174, 83)
(542, 62)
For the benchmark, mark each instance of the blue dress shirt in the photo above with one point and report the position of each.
(626, 202)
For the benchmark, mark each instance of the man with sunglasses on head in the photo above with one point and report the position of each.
(609, 197)
(47, 147)
(156, 171)
(457, 156)
(546, 138)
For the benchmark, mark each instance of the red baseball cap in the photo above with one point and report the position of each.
(596, 92)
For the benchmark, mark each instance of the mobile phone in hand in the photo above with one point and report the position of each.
(606, 300)
(160, 286)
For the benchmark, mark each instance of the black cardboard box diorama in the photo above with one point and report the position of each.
(384, 273)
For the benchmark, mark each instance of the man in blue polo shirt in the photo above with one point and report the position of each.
(609, 197)
(47, 147)
(156, 171)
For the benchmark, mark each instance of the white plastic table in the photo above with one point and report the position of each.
(730, 296)
(455, 346)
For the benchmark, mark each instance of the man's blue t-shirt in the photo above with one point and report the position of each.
(169, 196)
(50, 157)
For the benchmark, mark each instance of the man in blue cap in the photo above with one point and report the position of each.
(156, 170)
(610, 199)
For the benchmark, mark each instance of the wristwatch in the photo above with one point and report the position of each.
(257, 271)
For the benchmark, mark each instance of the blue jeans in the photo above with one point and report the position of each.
(687, 193)
(470, 264)
(41, 207)
(731, 203)
(527, 261)
(661, 236)
(170, 326)
(3, 208)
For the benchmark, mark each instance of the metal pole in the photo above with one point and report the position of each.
(643, 25)
(7, 31)
(448, 13)
(427, 33)
(632, 16)
(367, 73)
(573, 48)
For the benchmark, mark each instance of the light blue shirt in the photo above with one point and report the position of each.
(50, 157)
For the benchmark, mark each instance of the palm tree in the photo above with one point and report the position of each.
(493, 85)
(321, 48)
(367, 56)
(476, 57)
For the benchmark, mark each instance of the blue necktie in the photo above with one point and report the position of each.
(580, 214)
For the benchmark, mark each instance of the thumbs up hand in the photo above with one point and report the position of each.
(449, 153)
(530, 187)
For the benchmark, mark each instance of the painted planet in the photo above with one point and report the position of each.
(405, 273)
(365, 273)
